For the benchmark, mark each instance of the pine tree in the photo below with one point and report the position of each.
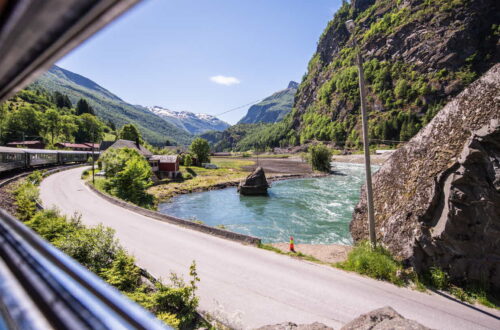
(83, 107)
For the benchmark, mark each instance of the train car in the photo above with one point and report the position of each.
(41, 157)
(11, 159)
(72, 156)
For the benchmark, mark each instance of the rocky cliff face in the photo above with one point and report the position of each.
(437, 199)
(418, 54)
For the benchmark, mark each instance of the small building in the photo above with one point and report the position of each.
(78, 146)
(165, 166)
(27, 144)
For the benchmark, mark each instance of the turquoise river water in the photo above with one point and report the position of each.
(313, 210)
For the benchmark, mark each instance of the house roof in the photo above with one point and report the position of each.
(24, 142)
(75, 145)
(165, 158)
(130, 144)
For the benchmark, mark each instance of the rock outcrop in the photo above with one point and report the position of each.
(294, 326)
(437, 199)
(384, 318)
(254, 184)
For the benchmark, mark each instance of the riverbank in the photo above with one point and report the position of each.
(230, 172)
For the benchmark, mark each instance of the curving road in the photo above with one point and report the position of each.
(253, 287)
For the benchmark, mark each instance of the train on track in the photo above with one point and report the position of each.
(19, 159)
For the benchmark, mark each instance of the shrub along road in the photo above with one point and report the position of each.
(261, 286)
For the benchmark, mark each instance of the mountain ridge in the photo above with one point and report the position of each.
(273, 108)
(194, 123)
(110, 107)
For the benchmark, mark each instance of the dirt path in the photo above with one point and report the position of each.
(327, 253)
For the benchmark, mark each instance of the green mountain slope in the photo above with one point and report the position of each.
(273, 108)
(418, 54)
(110, 107)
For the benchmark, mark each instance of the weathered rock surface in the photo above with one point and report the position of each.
(384, 318)
(254, 184)
(294, 326)
(437, 199)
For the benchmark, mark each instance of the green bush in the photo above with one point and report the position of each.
(320, 158)
(439, 279)
(52, 226)
(188, 160)
(35, 177)
(377, 263)
(93, 247)
(26, 196)
(123, 273)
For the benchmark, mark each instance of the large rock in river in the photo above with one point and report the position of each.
(437, 199)
(254, 184)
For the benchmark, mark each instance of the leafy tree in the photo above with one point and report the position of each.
(90, 129)
(128, 175)
(69, 127)
(84, 107)
(200, 148)
(130, 132)
(320, 157)
(131, 183)
(24, 121)
(52, 124)
(114, 160)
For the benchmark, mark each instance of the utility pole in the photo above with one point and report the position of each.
(366, 145)
(93, 165)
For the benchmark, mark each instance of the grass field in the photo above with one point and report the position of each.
(198, 178)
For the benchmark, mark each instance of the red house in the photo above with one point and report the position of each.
(165, 166)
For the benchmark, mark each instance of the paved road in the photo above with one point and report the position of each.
(254, 287)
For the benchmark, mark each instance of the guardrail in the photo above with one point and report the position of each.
(40, 285)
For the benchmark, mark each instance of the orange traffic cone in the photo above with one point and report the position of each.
(292, 246)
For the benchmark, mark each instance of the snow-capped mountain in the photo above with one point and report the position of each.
(194, 123)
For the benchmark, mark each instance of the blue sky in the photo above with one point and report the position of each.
(204, 56)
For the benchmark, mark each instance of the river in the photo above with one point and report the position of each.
(313, 210)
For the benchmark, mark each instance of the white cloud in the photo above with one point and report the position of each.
(223, 80)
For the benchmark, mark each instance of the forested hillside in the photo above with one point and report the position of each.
(418, 54)
(35, 114)
(273, 108)
(110, 107)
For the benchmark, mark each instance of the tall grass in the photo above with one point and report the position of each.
(377, 263)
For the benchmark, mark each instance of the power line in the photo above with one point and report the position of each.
(237, 108)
